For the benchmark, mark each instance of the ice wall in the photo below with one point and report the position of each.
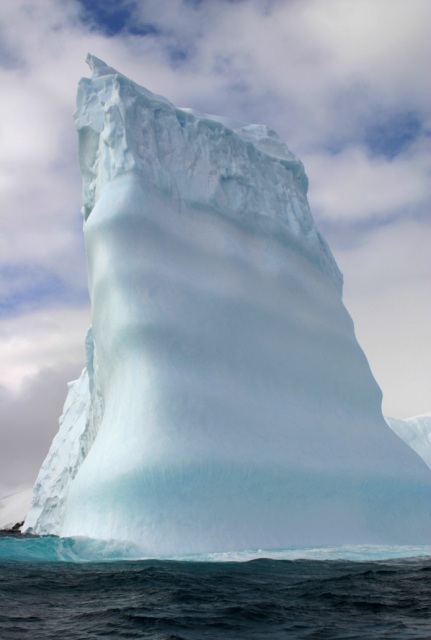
(235, 406)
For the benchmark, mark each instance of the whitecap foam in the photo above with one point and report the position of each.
(81, 549)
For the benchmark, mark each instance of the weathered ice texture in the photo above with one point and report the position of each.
(227, 404)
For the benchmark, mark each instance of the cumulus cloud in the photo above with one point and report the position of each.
(45, 338)
(322, 69)
(356, 185)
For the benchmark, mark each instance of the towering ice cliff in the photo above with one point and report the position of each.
(226, 403)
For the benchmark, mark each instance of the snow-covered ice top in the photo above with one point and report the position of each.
(243, 171)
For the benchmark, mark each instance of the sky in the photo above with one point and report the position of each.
(345, 83)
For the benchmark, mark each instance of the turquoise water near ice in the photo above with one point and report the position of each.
(54, 549)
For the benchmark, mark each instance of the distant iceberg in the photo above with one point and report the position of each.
(416, 432)
(226, 403)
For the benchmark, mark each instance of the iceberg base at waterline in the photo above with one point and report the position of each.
(54, 549)
(226, 403)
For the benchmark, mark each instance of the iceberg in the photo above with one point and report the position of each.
(225, 403)
(416, 432)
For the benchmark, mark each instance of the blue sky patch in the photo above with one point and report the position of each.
(30, 287)
(112, 17)
(390, 136)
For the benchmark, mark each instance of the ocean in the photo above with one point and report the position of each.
(53, 589)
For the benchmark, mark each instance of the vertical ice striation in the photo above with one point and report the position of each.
(234, 406)
(79, 423)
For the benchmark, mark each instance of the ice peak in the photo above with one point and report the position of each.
(206, 160)
(98, 67)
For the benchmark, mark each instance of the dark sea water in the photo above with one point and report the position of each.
(178, 599)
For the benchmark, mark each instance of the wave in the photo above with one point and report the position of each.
(80, 549)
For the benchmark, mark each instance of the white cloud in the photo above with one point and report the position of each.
(42, 339)
(353, 184)
(322, 68)
(388, 293)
